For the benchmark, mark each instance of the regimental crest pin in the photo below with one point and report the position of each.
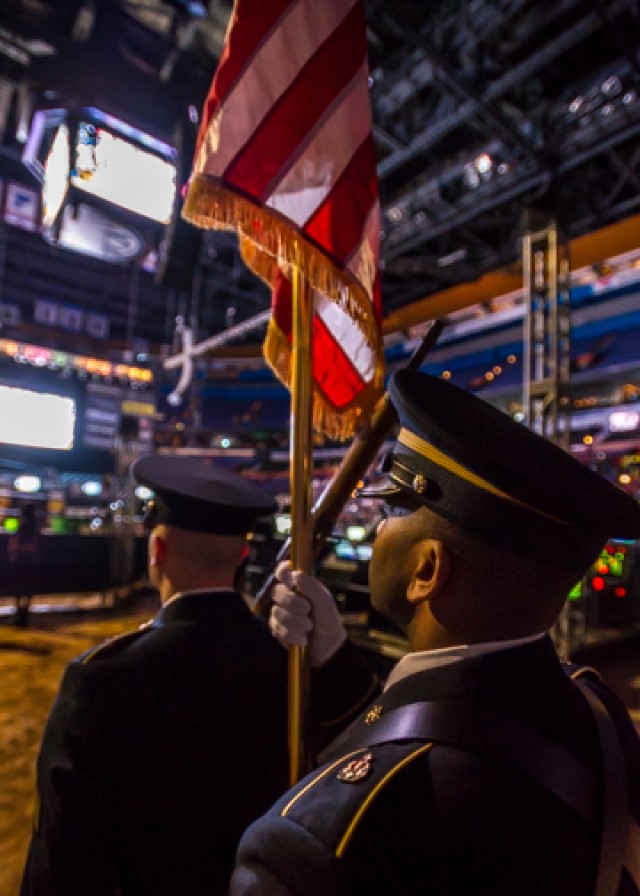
(356, 770)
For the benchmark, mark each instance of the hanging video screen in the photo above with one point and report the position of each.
(111, 168)
(37, 419)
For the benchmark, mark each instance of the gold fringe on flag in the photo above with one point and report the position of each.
(336, 423)
(267, 242)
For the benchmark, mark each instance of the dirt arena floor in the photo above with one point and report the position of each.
(31, 664)
(32, 661)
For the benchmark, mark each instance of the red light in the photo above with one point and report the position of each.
(620, 591)
(603, 568)
(598, 583)
(609, 549)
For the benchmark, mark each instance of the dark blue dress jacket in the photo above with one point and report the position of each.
(421, 818)
(163, 745)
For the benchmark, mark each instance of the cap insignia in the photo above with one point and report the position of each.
(356, 770)
(373, 715)
(419, 484)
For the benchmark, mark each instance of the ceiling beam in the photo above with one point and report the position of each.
(585, 250)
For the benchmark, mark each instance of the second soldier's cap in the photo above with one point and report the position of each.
(477, 467)
(193, 494)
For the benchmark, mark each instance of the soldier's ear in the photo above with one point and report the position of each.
(157, 549)
(431, 571)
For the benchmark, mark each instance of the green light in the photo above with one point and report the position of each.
(576, 592)
(11, 525)
(616, 564)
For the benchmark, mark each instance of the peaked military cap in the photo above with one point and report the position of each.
(193, 494)
(479, 468)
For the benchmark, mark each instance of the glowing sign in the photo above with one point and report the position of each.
(29, 485)
(624, 421)
(356, 533)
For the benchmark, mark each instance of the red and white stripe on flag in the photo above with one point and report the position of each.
(285, 157)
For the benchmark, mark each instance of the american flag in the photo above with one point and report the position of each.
(285, 157)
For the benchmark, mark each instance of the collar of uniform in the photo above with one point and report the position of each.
(422, 660)
(201, 603)
(182, 594)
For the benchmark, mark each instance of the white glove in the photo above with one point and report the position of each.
(304, 613)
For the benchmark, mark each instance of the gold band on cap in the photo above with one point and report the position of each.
(434, 455)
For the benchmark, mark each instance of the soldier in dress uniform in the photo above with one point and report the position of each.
(483, 768)
(163, 744)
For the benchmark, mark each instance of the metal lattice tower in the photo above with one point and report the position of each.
(547, 337)
(547, 352)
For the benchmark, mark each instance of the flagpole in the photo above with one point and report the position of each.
(300, 472)
(273, 193)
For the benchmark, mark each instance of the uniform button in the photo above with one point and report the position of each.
(373, 715)
(419, 484)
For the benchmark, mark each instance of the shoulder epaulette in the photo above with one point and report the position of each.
(486, 733)
(351, 784)
(350, 713)
(110, 647)
(575, 672)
